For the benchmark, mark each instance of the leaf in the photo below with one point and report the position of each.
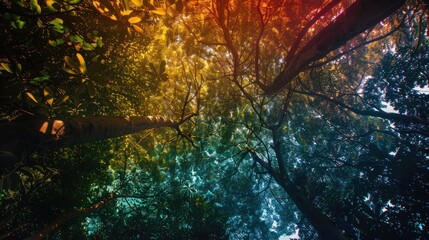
(18, 68)
(100, 42)
(6, 67)
(50, 101)
(133, 20)
(138, 29)
(44, 77)
(31, 97)
(47, 93)
(52, 6)
(138, 3)
(72, 63)
(87, 47)
(57, 25)
(35, 6)
(70, 71)
(62, 99)
(126, 13)
(74, 2)
(159, 11)
(52, 43)
(18, 24)
(108, 5)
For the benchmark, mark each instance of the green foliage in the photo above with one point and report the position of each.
(366, 172)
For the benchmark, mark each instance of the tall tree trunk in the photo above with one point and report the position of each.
(325, 228)
(360, 16)
(323, 225)
(22, 137)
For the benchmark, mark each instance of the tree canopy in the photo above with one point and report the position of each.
(214, 119)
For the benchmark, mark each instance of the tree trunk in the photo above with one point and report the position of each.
(360, 16)
(22, 137)
(325, 228)
(323, 225)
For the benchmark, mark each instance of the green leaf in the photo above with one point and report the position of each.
(100, 42)
(18, 68)
(6, 67)
(18, 24)
(79, 39)
(59, 41)
(44, 77)
(88, 47)
(74, 2)
(35, 6)
(58, 25)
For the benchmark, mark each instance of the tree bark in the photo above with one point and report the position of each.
(325, 228)
(22, 137)
(360, 16)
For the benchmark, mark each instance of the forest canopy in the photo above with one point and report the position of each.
(214, 119)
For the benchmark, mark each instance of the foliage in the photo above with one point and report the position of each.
(247, 164)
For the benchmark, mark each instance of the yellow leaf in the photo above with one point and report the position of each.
(6, 67)
(31, 97)
(50, 101)
(98, 7)
(138, 29)
(64, 98)
(138, 3)
(47, 93)
(133, 20)
(68, 70)
(82, 65)
(71, 63)
(159, 11)
(126, 12)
